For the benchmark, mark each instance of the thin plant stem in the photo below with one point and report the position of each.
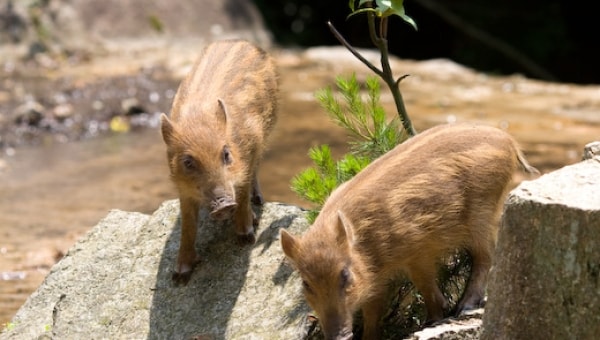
(386, 72)
(352, 50)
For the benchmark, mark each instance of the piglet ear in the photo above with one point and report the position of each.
(289, 244)
(167, 128)
(222, 114)
(344, 229)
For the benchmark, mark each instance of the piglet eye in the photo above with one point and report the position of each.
(226, 155)
(345, 277)
(188, 162)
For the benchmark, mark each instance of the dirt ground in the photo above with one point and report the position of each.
(78, 138)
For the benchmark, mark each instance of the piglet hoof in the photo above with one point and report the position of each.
(183, 273)
(465, 307)
(246, 239)
(181, 278)
(202, 337)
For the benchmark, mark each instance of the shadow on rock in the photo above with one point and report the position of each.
(235, 291)
(204, 305)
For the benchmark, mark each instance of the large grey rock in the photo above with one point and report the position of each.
(546, 280)
(116, 284)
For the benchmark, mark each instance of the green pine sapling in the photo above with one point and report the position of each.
(372, 137)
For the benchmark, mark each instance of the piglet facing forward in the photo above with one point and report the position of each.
(437, 192)
(221, 116)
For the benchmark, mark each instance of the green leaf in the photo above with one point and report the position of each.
(358, 8)
(408, 19)
(362, 10)
(386, 8)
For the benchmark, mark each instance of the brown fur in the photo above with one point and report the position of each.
(221, 116)
(439, 191)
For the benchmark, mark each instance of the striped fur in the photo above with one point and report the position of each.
(437, 192)
(221, 117)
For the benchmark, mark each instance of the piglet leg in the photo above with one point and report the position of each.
(424, 279)
(257, 197)
(473, 297)
(244, 217)
(187, 257)
(373, 310)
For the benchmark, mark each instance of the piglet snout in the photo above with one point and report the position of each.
(222, 208)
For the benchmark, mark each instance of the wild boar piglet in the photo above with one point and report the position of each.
(222, 114)
(439, 191)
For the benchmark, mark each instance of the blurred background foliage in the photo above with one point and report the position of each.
(544, 39)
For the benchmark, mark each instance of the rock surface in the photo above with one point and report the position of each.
(591, 150)
(116, 283)
(546, 279)
(465, 327)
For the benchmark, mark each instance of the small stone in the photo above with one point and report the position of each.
(30, 113)
(62, 111)
(97, 105)
(131, 106)
(591, 150)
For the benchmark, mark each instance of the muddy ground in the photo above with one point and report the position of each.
(79, 137)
